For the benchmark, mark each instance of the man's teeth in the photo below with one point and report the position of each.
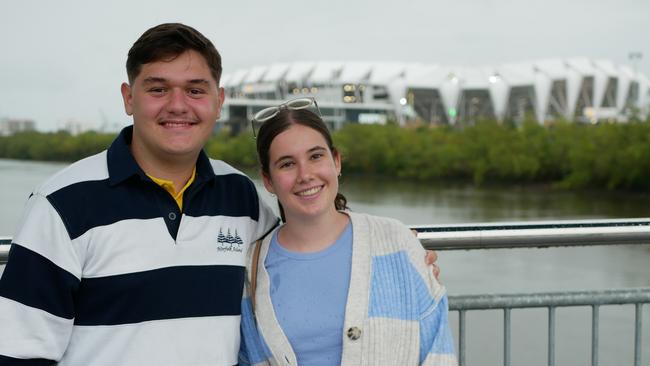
(173, 124)
(309, 191)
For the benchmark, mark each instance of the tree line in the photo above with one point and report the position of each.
(569, 155)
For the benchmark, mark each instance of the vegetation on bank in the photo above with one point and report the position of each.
(612, 156)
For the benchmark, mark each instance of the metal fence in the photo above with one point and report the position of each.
(551, 301)
(540, 235)
(531, 235)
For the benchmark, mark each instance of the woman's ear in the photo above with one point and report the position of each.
(337, 161)
(267, 182)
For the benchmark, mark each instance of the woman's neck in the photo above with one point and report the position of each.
(308, 236)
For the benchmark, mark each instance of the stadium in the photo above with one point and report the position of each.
(575, 89)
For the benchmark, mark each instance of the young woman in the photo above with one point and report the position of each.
(332, 286)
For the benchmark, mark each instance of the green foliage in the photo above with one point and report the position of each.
(54, 146)
(238, 150)
(570, 155)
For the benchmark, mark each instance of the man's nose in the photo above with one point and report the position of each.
(177, 102)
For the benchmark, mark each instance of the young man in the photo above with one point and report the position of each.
(135, 256)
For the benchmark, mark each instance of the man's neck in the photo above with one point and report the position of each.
(178, 170)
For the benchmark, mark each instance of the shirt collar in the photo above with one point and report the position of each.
(122, 165)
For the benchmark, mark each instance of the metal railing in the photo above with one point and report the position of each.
(531, 235)
(535, 234)
(539, 235)
(551, 301)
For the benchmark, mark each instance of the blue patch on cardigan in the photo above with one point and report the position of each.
(397, 290)
(253, 348)
(435, 335)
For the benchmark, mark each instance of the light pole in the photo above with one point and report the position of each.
(635, 58)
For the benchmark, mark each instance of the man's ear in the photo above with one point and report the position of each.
(127, 97)
(221, 95)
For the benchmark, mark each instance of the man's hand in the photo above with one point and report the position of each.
(430, 258)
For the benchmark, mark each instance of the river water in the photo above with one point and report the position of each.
(484, 271)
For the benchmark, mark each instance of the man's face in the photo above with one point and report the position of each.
(174, 105)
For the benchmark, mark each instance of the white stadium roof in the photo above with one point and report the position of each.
(451, 81)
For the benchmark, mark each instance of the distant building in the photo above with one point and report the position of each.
(574, 89)
(10, 126)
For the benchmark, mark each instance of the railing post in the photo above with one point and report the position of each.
(637, 335)
(594, 334)
(461, 337)
(506, 337)
(551, 336)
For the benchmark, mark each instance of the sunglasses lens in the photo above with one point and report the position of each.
(266, 114)
(299, 103)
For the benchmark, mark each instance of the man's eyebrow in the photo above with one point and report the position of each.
(199, 81)
(157, 79)
(153, 79)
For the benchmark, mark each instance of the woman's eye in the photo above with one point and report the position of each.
(316, 156)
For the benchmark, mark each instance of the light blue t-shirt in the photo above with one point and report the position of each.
(309, 292)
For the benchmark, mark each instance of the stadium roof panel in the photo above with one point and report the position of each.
(326, 71)
(276, 72)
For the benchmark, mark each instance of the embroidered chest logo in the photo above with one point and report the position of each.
(229, 242)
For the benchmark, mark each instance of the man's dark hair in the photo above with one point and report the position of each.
(166, 42)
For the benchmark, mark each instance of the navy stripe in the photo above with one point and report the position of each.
(228, 195)
(166, 293)
(33, 280)
(10, 361)
(85, 205)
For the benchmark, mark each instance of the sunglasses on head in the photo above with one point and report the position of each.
(270, 112)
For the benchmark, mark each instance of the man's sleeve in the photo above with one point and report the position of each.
(37, 288)
(267, 219)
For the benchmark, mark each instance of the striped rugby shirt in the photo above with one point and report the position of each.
(106, 270)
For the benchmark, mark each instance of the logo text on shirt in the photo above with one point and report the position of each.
(229, 242)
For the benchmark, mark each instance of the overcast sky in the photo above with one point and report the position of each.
(64, 60)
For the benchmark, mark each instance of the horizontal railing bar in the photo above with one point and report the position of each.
(534, 234)
(4, 249)
(514, 234)
(639, 295)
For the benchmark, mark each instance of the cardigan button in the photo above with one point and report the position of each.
(354, 333)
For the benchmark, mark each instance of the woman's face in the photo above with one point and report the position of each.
(303, 173)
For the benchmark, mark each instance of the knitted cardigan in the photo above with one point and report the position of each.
(396, 311)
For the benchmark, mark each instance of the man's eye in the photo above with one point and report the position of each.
(316, 156)
(286, 164)
(156, 90)
(196, 92)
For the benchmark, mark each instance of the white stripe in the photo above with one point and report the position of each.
(222, 168)
(89, 169)
(139, 245)
(27, 332)
(440, 360)
(43, 232)
(210, 341)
